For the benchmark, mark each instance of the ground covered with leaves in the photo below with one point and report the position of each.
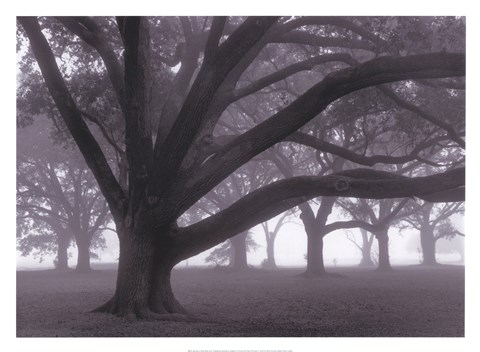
(409, 301)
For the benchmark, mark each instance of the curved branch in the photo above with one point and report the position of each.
(57, 188)
(281, 221)
(170, 155)
(269, 201)
(313, 142)
(305, 38)
(334, 21)
(102, 217)
(353, 241)
(369, 210)
(423, 114)
(315, 100)
(89, 31)
(104, 131)
(288, 71)
(87, 144)
(37, 210)
(33, 190)
(351, 224)
(446, 212)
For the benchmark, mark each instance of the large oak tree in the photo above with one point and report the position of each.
(173, 153)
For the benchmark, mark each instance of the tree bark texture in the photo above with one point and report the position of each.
(143, 288)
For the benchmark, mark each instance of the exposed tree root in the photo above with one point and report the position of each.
(143, 312)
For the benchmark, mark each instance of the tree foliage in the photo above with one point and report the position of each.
(58, 201)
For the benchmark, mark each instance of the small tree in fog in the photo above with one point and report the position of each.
(380, 216)
(364, 246)
(58, 201)
(231, 253)
(454, 244)
(433, 223)
(271, 235)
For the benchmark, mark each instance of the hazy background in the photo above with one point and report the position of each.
(290, 248)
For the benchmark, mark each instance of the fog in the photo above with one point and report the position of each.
(290, 249)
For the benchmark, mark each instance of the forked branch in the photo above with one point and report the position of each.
(87, 144)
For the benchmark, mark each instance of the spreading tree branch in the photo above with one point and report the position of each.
(104, 131)
(423, 114)
(315, 100)
(345, 153)
(87, 144)
(304, 38)
(91, 33)
(170, 155)
(275, 198)
(288, 71)
(334, 21)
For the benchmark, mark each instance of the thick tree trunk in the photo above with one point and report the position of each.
(83, 259)
(315, 264)
(383, 254)
(162, 299)
(239, 262)
(427, 241)
(62, 252)
(314, 227)
(270, 262)
(133, 287)
(143, 288)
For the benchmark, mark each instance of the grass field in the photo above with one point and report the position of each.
(410, 301)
